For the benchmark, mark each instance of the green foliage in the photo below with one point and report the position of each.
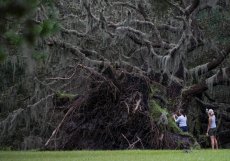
(173, 127)
(216, 24)
(46, 28)
(160, 7)
(154, 89)
(48, 2)
(39, 56)
(196, 146)
(156, 110)
(18, 8)
(49, 27)
(13, 38)
(32, 31)
(8, 148)
(18, 21)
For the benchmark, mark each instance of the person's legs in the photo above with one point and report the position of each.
(212, 141)
(215, 142)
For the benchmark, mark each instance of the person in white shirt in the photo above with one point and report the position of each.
(181, 120)
(211, 130)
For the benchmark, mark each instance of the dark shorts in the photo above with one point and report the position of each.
(212, 132)
(184, 128)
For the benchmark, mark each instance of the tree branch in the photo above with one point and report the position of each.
(139, 8)
(73, 32)
(146, 24)
(202, 69)
(176, 6)
(220, 78)
(178, 45)
(136, 35)
(192, 7)
(75, 51)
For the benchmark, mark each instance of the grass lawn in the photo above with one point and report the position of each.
(125, 155)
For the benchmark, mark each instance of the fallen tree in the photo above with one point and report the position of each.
(117, 113)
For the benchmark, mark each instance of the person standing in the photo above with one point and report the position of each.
(211, 130)
(181, 120)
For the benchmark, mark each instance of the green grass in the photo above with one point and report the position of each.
(125, 155)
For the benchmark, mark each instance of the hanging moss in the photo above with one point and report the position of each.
(3, 55)
(10, 72)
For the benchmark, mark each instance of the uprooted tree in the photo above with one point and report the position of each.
(126, 66)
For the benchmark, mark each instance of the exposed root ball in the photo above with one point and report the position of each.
(115, 114)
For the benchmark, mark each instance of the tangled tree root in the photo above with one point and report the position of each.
(115, 114)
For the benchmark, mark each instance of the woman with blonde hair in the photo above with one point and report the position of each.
(211, 130)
